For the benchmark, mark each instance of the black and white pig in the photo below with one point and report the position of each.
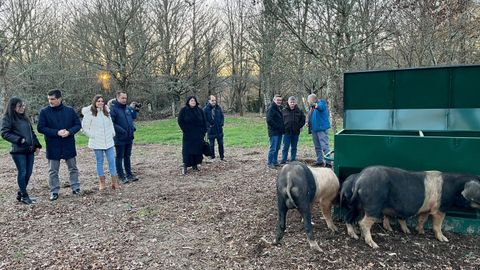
(395, 192)
(353, 210)
(300, 186)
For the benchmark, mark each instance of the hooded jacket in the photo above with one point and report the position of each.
(318, 117)
(99, 129)
(123, 122)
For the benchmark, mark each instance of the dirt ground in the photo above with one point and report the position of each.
(217, 218)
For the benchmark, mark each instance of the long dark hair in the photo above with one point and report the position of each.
(188, 100)
(93, 108)
(12, 105)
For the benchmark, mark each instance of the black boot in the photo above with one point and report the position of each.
(184, 169)
(195, 168)
(26, 199)
(124, 180)
(19, 196)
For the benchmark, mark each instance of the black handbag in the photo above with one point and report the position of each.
(206, 148)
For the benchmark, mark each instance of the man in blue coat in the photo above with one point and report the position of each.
(122, 120)
(59, 123)
(318, 125)
(214, 117)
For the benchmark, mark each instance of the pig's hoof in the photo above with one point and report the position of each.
(372, 244)
(406, 231)
(353, 235)
(387, 227)
(420, 231)
(442, 238)
(333, 228)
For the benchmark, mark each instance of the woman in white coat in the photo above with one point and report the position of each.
(98, 127)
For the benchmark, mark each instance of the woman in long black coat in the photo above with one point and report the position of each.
(191, 120)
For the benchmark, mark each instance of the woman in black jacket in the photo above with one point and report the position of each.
(17, 129)
(191, 120)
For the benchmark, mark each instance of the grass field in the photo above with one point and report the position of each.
(245, 132)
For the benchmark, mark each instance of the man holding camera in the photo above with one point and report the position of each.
(122, 118)
(134, 109)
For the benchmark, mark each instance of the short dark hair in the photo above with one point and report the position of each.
(55, 92)
(119, 93)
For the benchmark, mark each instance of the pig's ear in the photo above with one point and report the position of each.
(471, 191)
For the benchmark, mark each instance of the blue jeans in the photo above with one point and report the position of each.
(290, 141)
(275, 142)
(99, 153)
(320, 140)
(220, 146)
(24, 163)
(123, 154)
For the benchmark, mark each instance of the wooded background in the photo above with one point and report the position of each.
(243, 51)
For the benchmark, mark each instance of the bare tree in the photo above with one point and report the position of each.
(15, 27)
(238, 61)
(432, 32)
(106, 34)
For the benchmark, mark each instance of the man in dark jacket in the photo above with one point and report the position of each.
(59, 123)
(123, 123)
(294, 120)
(214, 117)
(275, 130)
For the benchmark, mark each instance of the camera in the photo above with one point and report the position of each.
(136, 105)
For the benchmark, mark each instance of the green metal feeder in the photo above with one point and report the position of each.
(416, 119)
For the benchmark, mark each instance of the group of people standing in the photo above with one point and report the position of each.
(287, 123)
(111, 125)
(197, 124)
(106, 127)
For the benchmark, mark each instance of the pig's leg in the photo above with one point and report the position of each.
(307, 223)
(351, 231)
(386, 223)
(422, 218)
(437, 221)
(281, 224)
(327, 214)
(403, 226)
(365, 225)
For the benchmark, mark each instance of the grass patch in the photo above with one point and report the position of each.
(245, 132)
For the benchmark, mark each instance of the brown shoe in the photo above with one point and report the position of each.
(115, 184)
(101, 181)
